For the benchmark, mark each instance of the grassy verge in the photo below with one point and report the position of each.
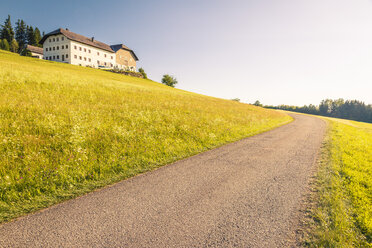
(66, 130)
(342, 213)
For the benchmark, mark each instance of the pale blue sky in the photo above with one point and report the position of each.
(278, 51)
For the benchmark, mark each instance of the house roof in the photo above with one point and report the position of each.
(122, 46)
(79, 38)
(34, 49)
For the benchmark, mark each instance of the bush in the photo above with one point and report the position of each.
(4, 45)
(169, 80)
(142, 71)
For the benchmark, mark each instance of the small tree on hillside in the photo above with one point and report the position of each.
(257, 103)
(25, 52)
(169, 80)
(4, 45)
(14, 46)
(142, 71)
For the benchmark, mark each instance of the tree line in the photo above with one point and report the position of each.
(14, 40)
(339, 108)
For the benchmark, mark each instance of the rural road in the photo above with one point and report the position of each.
(244, 194)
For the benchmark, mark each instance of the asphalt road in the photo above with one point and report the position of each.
(244, 194)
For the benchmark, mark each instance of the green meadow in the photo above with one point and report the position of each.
(66, 130)
(342, 213)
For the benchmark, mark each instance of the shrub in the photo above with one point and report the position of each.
(169, 80)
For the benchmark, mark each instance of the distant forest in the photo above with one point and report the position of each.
(349, 109)
(15, 39)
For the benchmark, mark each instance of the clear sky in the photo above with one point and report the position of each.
(277, 51)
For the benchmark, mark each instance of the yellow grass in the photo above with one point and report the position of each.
(343, 212)
(66, 130)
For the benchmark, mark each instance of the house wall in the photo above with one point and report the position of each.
(76, 53)
(125, 59)
(85, 55)
(36, 55)
(53, 50)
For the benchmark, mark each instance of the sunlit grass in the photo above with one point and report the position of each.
(343, 213)
(66, 130)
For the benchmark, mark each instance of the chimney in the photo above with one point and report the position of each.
(67, 29)
(92, 38)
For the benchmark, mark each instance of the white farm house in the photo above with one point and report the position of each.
(65, 46)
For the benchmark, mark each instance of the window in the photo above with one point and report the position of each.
(89, 51)
(66, 56)
(80, 48)
(75, 47)
(85, 49)
(63, 38)
(112, 57)
(46, 49)
(111, 64)
(80, 58)
(54, 39)
(57, 39)
(85, 59)
(66, 46)
(105, 55)
(63, 47)
(97, 61)
(105, 63)
(75, 56)
(54, 48)
(57, 56)
(50, 40)
(63, 57)
(90, 60)
(57, 47)
(54, 57)
(97, 53)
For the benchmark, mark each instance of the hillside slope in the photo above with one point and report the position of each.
(66, 130)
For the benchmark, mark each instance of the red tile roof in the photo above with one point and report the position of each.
(35, 49)
(79, 38)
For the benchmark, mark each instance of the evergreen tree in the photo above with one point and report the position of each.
(37, 36)
(7, 31)
(31, 36)
(21, 33)
(14, 46)
(4, 45)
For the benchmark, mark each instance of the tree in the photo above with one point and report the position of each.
(26, 52)
(21, 33)
(37, 37)
(7, 30)
(169, 80)
(31, 36)
(14, 46)
(142, 71)
(4, 45)
(257, 103)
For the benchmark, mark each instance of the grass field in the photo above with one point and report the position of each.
(342, 215)
(66, 130)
